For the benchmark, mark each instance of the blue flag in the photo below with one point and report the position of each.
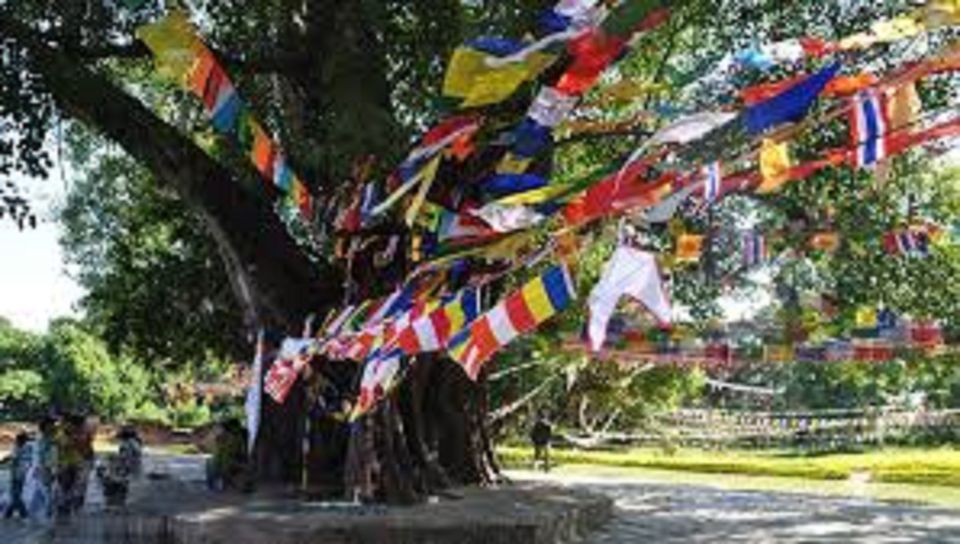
(791, 105)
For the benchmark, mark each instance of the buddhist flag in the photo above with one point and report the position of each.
(431, 332)
(775, 164)
(520, 313)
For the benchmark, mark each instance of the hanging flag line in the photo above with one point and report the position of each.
(487, 72)
(182, 56)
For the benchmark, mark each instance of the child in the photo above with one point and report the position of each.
(20, 461)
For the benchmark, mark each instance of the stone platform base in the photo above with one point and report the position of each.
(183, 513)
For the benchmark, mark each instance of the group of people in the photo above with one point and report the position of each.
(49, 472)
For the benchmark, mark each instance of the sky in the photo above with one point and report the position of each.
(34, 285)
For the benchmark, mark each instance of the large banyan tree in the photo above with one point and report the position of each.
(340, 91)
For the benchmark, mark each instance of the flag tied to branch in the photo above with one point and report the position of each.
(520, 313)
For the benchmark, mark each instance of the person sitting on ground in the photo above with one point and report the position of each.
(19, 460)
(228, 467)
(540, 435)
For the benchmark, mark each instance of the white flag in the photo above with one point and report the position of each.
(629, 272)
(254, 399)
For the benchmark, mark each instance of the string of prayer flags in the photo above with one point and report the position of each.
(778, 353)
(378, 376)
(520, 313)
(181, 55)
(629, 272)
(431, 332)
(294, 356)
(910, 242)
(791, 105)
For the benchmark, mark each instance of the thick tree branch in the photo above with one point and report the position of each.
(274, 279)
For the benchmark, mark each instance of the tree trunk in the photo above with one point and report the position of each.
(428, 435)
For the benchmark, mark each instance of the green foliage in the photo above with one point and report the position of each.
(929, 467)
(22, 393)
(69, 369)
(155, 286)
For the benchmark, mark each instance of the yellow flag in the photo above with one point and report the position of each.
(775, 165)
(471, 78)
(904, 106)
(939, 13)
(174, 44)
(427, 176)
(778, 353)
(891, 30)
(866, 318)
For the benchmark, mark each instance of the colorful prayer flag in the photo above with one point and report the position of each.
(520, 313)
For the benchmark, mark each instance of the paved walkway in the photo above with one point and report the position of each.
(665, 513)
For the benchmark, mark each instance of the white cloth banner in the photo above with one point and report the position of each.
(629, 272)
(254, 400)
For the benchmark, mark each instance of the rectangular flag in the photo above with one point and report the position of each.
(711, 183)
(791, 105)
(868, 129)
(281, 377)
(520, 313)
(754, 249)
(430, 332)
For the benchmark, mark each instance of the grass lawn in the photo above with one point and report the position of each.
(934, 466)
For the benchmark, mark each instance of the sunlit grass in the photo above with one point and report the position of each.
(937, 466)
